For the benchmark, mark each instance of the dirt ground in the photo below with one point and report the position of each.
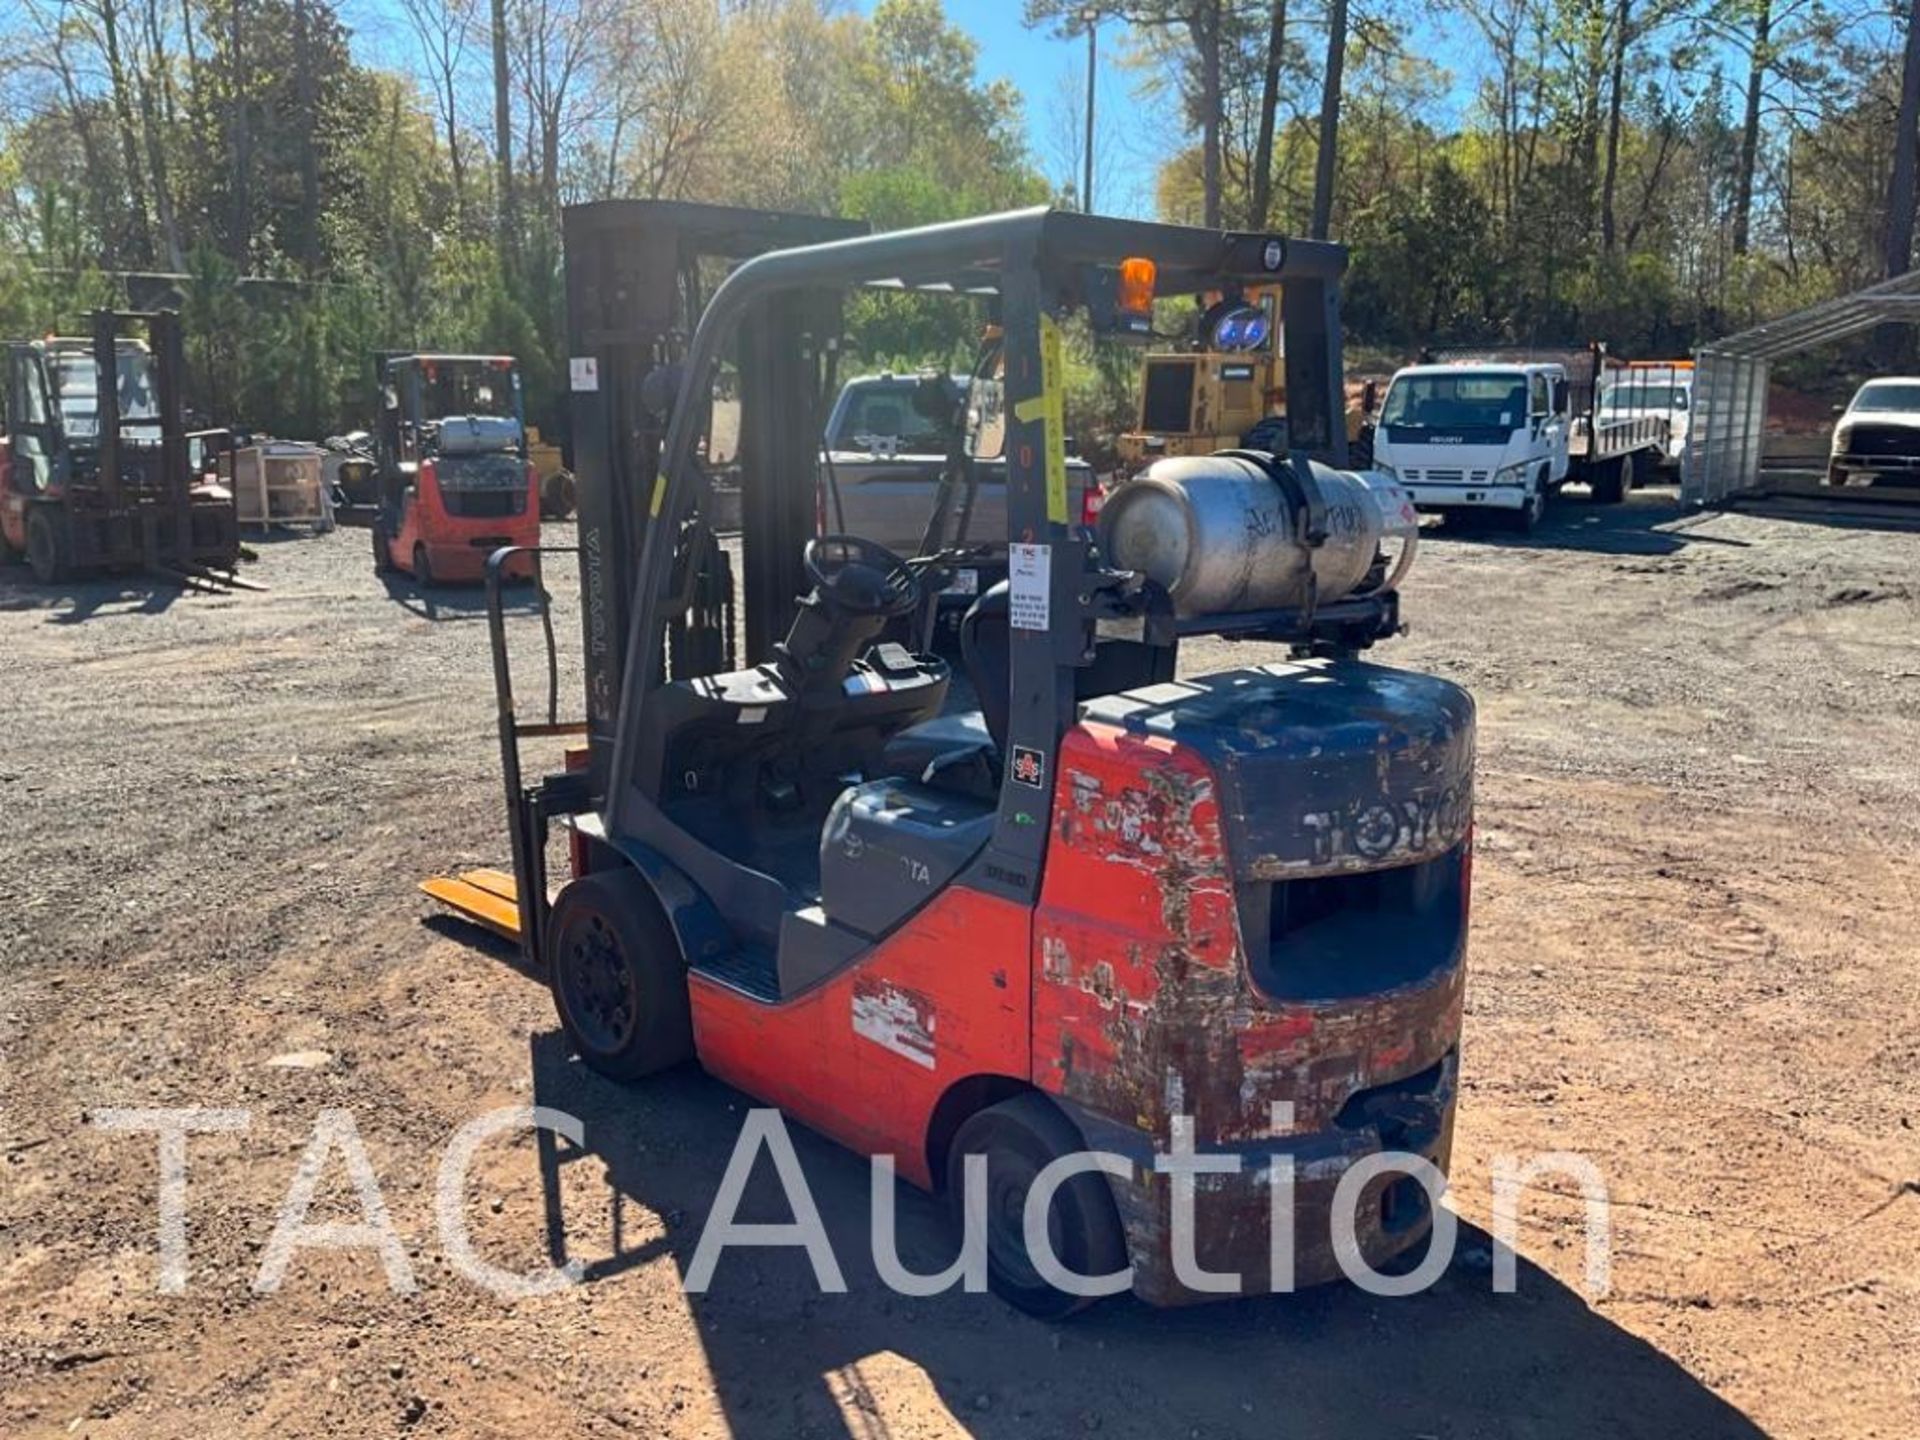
(1693, 962)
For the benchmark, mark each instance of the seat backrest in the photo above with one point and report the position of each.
(986, 646)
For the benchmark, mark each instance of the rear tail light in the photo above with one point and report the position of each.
(1091, 502)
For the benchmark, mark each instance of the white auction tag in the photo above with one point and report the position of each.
(583, 372)
(1030, 583)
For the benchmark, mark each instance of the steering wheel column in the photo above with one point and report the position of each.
(858, 587)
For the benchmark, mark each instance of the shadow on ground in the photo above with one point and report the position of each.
(1647, 523)
(450, 602)
(1894, 508)
(787, 1360)
(73, 601)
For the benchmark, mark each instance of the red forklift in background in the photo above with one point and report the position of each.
(1068, 904)
(98, 473)
(450, 459)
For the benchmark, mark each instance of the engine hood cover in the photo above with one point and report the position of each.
(1324, 766)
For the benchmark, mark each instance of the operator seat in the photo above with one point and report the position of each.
(962, 751)
(986, 648)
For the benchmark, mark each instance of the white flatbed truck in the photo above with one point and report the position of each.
(1501, 435)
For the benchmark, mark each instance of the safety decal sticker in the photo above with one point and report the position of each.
(894, 1019)
(1029, 767)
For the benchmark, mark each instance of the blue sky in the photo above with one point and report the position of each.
(1132, 135)
(1051, 74)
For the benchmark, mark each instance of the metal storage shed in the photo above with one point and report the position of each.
(1727, 436)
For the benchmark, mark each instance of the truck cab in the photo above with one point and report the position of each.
(1662, 388)
(1878, 435)
(888, 444)
(1486, 437)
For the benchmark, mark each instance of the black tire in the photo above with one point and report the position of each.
(1609, 482)
(423, 568)
(48, 552)
(619, 981)
(1527, 518)
(1020, 1137)
(558, 495)
(382, 551)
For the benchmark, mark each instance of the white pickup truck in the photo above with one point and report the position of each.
(1657, 388)
(1501, 436)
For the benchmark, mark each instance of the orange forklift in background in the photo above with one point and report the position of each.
(1069, 902)
(450, 458)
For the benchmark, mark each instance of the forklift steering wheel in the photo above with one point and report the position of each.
(859, 577)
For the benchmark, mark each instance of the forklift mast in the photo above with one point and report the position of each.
(162, 466)
(633, 299)
(134, 502)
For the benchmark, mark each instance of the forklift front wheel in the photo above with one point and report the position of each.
(1019, 1138)
(46, 546)
(619, 984)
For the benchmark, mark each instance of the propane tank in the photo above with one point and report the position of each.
(1220, 533)
(477, 434)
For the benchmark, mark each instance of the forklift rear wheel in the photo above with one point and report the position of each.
(46, 547)
(618, 982)
(422, 568)
(1019, 1138)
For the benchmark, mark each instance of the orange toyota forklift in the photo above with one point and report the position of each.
(450, 460)
(1062, 902)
